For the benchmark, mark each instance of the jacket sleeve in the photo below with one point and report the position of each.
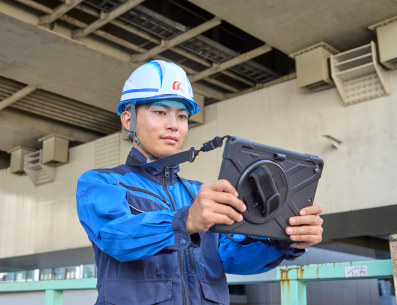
(104, 213)
(253, 258)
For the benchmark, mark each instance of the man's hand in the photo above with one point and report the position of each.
(310, 231)
(213, 205)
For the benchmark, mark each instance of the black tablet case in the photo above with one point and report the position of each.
(295, 175)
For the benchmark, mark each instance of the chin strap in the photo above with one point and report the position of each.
(188, 155)
(131, 133)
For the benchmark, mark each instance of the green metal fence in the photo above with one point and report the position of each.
(292, 278)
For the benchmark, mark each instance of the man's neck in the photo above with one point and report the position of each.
(137, 147)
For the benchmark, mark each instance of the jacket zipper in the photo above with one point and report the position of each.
(192, 261)
(182, 261)
(137, 189)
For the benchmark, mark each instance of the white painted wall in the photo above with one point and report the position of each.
(44, 218)
(361, 174)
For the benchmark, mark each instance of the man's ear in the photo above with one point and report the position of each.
(125, 119)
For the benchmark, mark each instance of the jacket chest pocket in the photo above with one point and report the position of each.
(142, 201)
(215, 293)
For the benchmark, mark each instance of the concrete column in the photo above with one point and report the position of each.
(393, 254)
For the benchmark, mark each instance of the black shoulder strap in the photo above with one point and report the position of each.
(188, 155)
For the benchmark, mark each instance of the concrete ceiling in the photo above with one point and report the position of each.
(293, 25)
(92, 70)
(33, 55)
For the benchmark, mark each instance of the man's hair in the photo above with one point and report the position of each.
(137, 107)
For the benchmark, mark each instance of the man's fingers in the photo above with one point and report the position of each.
(228, 211)
(229, 199)
(221, 219)
(315, 209)
(223, 186)
(311, 239)
(306, 220)
(304, 230)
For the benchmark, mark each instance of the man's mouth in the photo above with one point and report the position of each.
(170, 139)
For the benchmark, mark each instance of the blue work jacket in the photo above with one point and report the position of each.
(135, 218)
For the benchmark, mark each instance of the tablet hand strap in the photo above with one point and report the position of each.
(266, 188)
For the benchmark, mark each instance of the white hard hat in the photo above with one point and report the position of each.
(158, 80)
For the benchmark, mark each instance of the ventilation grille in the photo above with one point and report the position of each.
(60, 108)
(107, 151)
(38, 172)
(363, 89)
(358, 76)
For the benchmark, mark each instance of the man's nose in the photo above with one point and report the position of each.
(172, 122)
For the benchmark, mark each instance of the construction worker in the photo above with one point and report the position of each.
(151, 239)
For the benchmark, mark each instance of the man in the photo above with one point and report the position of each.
(150, 236)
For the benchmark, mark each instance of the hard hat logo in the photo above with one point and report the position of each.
(177, 86)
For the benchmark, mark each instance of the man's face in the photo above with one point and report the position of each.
(162, 127)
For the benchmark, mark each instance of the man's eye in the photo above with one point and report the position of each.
(183, 117)
(159, 112)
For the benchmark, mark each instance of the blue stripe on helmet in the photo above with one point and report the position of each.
(159, 70)
(140, 90)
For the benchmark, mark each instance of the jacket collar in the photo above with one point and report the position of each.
(155, 172)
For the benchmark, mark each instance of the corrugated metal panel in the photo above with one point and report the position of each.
(60, 108)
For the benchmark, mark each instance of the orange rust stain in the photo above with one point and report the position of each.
(285, 280)
(301, 274)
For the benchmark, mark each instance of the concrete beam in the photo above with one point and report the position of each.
(17, 96)
(167, 44)
(264, 85)
(23, 128)
(230, 63)
(207, 91)
(204, 90)
(176, 49)
(106, 18)
(206, 63)
(59, 11)
(129, 28)
(366, 241)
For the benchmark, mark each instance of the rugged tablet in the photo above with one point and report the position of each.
(274, 183)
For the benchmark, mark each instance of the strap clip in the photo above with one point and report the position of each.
(210, 145)
(193, 152)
